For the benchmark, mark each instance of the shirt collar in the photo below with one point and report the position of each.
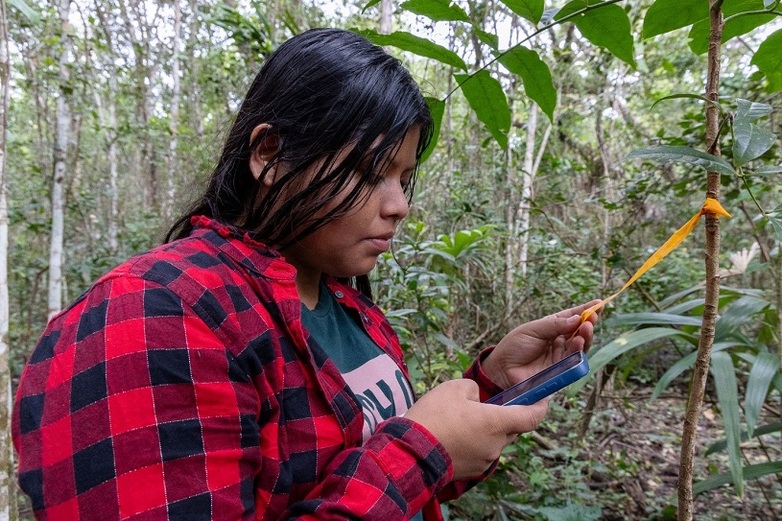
(239, 245)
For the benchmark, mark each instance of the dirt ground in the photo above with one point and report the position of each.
(645, 438)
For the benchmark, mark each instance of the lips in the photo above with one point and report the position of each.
(382, 242)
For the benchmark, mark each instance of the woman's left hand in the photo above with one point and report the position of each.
(535, 345)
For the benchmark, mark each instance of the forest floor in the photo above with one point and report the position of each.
(633, 446)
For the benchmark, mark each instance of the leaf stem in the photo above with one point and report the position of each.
(529, 37)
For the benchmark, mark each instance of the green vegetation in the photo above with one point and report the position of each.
(571, 144)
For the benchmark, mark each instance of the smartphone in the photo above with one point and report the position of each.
(546, 382)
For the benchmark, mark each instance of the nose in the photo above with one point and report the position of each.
(395, 204)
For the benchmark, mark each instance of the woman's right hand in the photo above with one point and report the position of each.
(473, 433)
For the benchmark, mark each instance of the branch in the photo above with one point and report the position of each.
(702, 362)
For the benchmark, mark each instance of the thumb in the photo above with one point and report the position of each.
(517, 419)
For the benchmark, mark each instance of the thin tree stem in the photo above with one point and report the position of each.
(701, 370)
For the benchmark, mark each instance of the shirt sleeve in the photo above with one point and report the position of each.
(131, 408)
(127, 410)
(487, 389)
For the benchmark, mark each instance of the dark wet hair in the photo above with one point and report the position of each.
(319, 92)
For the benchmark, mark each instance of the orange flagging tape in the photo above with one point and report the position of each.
(711, 206)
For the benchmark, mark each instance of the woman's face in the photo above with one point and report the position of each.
(350, 245)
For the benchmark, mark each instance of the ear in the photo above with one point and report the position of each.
(263, 153)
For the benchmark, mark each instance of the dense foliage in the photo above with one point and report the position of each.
(527, 204)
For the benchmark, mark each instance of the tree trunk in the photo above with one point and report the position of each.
(113, 227)
(60, 167)
(386, 11)
(532, 158)
(7, 488)
(173, 125)
(701, 369)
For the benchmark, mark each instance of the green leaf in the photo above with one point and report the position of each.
(416, 45)
(535, 75)
(679, 154)
(607, 27)
(767, 170)
(733, 27)
(25, 9)
(684, 364)
(437, 10)
(603, 356)
(728, 396)
(487, 99)
(749, 472)
(436, 109)
(768, 58)
(492, 40)
(370, 4)
(774, 219)
(738, 314)
(531, 10)
(656, 319)
(751, 110)
(692, 96)
(750, 141)
(668, 15)
(760, 431)
(763, 370)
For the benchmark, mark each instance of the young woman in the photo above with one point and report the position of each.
(241, 371)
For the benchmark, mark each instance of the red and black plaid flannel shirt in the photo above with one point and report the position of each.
(183, 386)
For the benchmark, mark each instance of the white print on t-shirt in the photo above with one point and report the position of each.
(381, 389)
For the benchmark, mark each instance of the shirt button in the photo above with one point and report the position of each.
(365, 317)
(339, 294)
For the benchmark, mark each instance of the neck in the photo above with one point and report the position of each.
(309, 289)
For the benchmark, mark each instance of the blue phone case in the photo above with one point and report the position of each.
(546, 382)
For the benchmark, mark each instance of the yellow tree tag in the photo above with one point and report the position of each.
(711, 206)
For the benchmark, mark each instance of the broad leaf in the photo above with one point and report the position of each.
(531, 10)
(738, 314)
(487, 99)
(760, 431)
(603, 356)
(437, 10)
(535, 75)
(25, 9)
(607, 26)
(692, 96)
(492, 40)
(774, 219)
(416, 45)
(763, 370)
(767, 170)
(656, 319)
(749, 472)
(436, 108)
(734, 26)
(369, 4)
(749, 140)
(751, 110)
(728, 396)
(668, 15)
(768, 58)
(684, 364)
(688, 155)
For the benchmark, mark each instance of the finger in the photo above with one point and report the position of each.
(464, 387)
(548, 328)
(565, 313)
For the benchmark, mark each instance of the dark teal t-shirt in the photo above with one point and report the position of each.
(377, 382)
